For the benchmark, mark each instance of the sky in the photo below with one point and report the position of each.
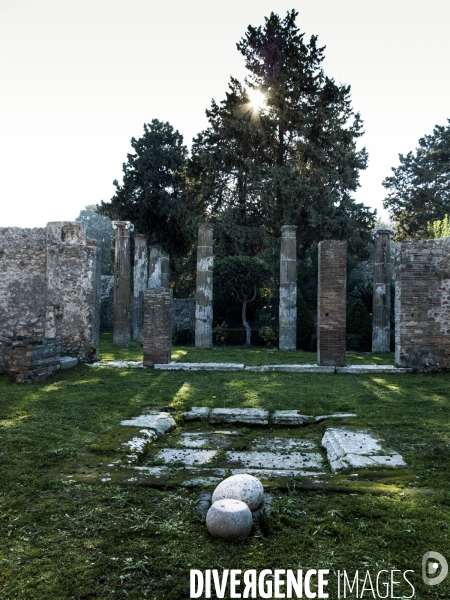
(79, 79)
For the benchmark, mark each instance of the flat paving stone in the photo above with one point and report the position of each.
(117, 363)
(244, 416)
(137, 444)
(198, 440)
(67, 362)
(291, 369)
(187, 457)
(160, 422)
(197, 413)
(273, 460)
(290, 417)
(184, 366)
(369, 369)
(357, 449)
(282, 444)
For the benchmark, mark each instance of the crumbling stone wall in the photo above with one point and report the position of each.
(106, 303)
(422, 304)
(183, 313)
(32, 360)
(50, 287)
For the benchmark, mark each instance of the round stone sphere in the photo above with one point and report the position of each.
(229, 519)
(242, 487)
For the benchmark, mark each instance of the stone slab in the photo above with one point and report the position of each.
(137, 444)
(283, 444)
(290, 417)
(215, 439)
(291, 369)
(244, 416)
(159, 422)
(197, 413)
(321, 418)
(372, 369)
(187, 457)
(357, 449)
(121, 364)
(273, 460)
(67, 362)
(184, 366)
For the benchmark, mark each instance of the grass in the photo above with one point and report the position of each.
(254, 356)
(80, 540)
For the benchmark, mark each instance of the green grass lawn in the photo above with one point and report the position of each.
(254, 356)
(65, 540)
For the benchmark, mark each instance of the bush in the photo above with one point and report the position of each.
(359, 327)
(221, 334)
(269, 336)
(183, 336)
(305, 325)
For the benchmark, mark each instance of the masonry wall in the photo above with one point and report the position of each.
(422, 304)
(331, 303)
(157, 339)
(50, 287)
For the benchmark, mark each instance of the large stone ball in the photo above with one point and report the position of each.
(242, 487)
(228, 519)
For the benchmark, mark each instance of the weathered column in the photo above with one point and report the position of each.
(204, 295)
(121, 311)
(381, 312)
(288, 289)
(165, 271)
(154, 268)
(139, 284)
(157, 344)
(331, 303)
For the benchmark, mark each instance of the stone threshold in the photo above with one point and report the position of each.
(352, 369)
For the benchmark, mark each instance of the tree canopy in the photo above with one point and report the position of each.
(151, 195)
(281, 148)
(419, 189)
(99, 228)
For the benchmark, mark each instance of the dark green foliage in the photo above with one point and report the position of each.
(293, 161)
(183, 336)
(99, 228)
(359, 327)
(152, 195)
(419, 189)
(305, 324)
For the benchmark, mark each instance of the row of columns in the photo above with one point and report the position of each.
(331, 307)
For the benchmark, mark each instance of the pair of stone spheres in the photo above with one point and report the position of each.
(233, 500)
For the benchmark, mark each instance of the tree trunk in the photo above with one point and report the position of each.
(248, 331)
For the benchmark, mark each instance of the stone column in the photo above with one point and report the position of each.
(157, 343)
(204, 295)
(331, 303)
(288, 289)
(154, 268)
(165, 271)
(121, 311)
(139, 284)
(381, 312)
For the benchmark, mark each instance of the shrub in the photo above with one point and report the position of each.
(359, 327)
(183, 336)
(221, 334)
(269, 336)
(305, 325)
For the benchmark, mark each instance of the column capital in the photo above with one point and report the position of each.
(376, 234)
(122, 224)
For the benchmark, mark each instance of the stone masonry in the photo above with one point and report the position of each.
(288, 289)
(50, 287)
(139, 284)
(32, 360)
(122, 267)
(331, 303)
(381, 313)
(157, 344)
(204, 294)
(422, 304)
(154, 268)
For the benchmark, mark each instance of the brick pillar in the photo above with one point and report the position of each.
(331, 303)
(154, 268)
(204, 295)
(139, 284)
(381, 312)
(288, 289)
(165, 270)
(157, 342)
(121, 311)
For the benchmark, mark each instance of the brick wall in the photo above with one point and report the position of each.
(157, 342)
(33, 360)
(331, 303)
(422, 304)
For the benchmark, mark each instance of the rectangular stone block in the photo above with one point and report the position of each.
(331, 303)
(157, 341)
(245, 416)
(25, 363)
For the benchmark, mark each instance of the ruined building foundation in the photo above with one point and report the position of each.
(121, 310)
(422, 304)
(204, 294)
(331, 303)
(381, 312)
(139, 285)
(157, 343)
(50, 288)
(288, 289)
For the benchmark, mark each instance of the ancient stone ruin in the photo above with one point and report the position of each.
(50, 288)
(381, 313)
(288, 289)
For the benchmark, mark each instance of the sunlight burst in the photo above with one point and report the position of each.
(257, 99)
